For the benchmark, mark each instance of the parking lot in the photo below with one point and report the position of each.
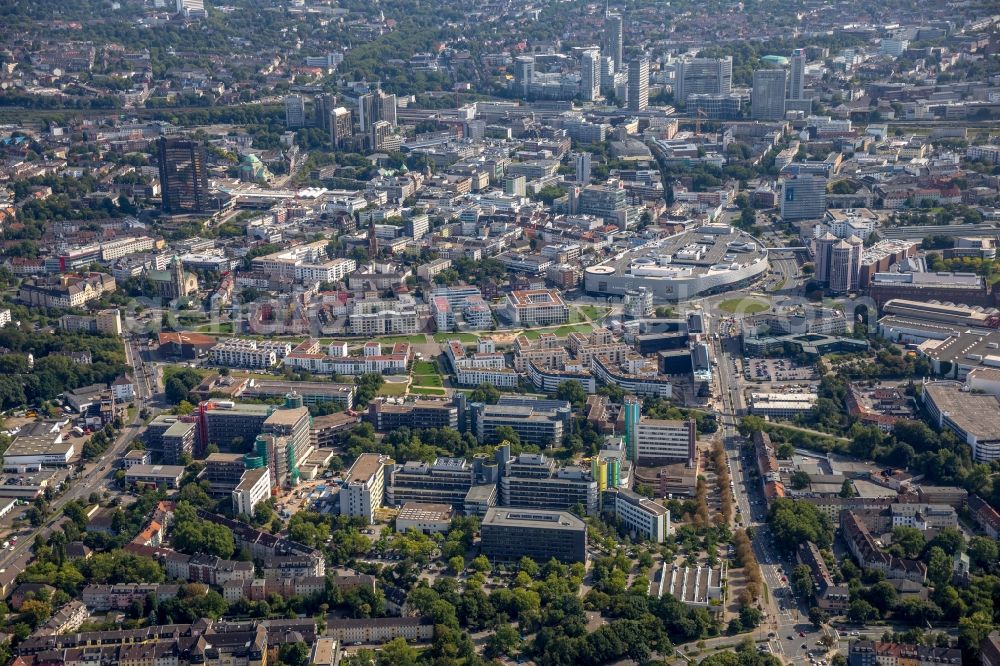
(777, 370)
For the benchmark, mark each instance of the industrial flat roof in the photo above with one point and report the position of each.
(975, 413)
(532, 518)
(420, 511)
(365, 467)
(38, 445)
(171, 471)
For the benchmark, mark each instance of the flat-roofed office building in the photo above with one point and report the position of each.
(510, 534)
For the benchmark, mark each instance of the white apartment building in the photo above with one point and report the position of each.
(501, 378)
(642, 516)
(120, 248)
(238, 353)
(4, 317)
(330, 271)
(661, 441)
(308, 262)
(363, 490)
(536, 307)
(380, 317)
(432, 268)
(253, 488)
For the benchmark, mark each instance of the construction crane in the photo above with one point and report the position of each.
(697, 121)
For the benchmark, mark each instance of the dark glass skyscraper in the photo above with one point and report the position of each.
(183, 177)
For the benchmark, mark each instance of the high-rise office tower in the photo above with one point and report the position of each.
(590, 75)
(845, 265)
(797, 80)
(386, 103)
(341, 127)
(703, 76)
(581, 163)
(838, 262)
(323, 105)
(607, 73)
(768, 97)
(638, 85)
(614, 34)
(524, 74)
(295, 112)
(803, 197)
(376, 106)
(381, 130)
(183, 175)
(632, 409)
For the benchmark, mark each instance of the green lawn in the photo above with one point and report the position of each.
(392, 389)
(563, 331)
(745, 305)
(592, 311)
(171, 370)
(428, 380)
(462, 337)
(224, 327)
(424, 368)
(423, 390)
(392, 339)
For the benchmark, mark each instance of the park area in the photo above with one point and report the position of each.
(426, 380)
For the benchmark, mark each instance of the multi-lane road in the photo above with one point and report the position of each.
(95, 475)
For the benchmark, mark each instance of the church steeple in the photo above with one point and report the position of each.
(372, 240)
(177, 277)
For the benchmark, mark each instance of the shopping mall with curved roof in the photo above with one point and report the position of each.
(707, 260)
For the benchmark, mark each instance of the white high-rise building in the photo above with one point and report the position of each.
(767, 101)
(191, 8)
(893, 47)
(582, 162)
(524, 74)
(638, 85)
(376, 106)
(590, 75)
(295, 112)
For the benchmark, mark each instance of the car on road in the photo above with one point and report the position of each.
(803, 646)
(802, 634)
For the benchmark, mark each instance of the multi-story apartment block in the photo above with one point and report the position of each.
(171, 437)
(870, 555)
(308, 263)
(641, 516)
(878, 653)
(103, 598)
(237, 353)
(829, 595)
(253, 488)
(380, 317)
(538, 307)
(363, 490)
(68, 291)
(307, 357)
